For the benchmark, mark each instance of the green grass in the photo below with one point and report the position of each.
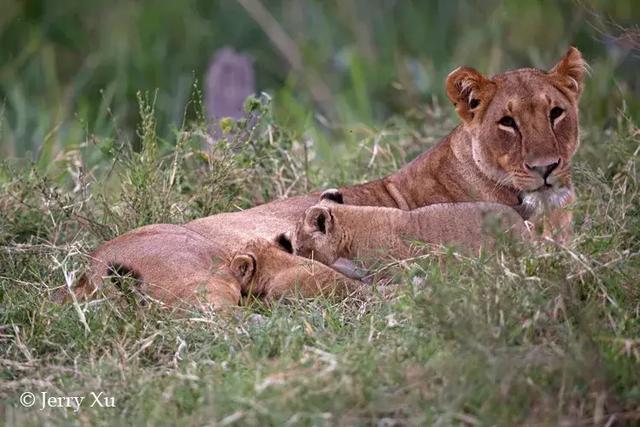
(70, 70)
(102, 131)
(545, 335)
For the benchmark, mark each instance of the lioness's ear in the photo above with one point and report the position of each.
(319, 218)
(283, 240)
(243, 266)
(569, 72)
(332, 194)
(469, 91)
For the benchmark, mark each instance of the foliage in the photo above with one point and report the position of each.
(544, 336)
(105, 97)
(70, 70)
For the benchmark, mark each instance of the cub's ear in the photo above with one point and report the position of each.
(243, 267)
(569, 73)
(332, 194)
(319, 218)
(283, 241)
(469, 91)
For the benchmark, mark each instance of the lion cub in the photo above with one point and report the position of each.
(330, 230)
(177, 266)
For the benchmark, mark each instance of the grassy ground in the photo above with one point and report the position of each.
(543, 336)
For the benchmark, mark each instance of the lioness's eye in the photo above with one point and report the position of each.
(555, 113)
(508, 122)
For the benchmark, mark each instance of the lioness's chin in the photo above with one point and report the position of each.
(544, 200)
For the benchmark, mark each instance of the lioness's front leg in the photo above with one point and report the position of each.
(558, 224)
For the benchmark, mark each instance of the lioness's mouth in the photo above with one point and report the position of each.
(544, 198)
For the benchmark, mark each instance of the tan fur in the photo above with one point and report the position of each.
(479, 161)
(171, 263)
(329, 231)
(178, 266)
(279, 274)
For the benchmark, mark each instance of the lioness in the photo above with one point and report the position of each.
(514, 146)
(177, 266)
(330, 230)
(518, 134)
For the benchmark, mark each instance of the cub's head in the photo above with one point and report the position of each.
(317, 234)
(523, 125)
(269, 270)
(257, 264)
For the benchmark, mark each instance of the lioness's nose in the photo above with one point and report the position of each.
(543, 169)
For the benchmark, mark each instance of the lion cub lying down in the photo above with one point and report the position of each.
(330, 230)
(178, 266)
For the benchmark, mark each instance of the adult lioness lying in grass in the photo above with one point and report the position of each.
(330, 230)
(518, 134)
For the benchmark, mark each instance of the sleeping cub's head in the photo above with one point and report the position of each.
(318, 234)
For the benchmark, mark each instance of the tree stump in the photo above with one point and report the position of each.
(229, 81)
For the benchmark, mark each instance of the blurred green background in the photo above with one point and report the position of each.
(70, 69)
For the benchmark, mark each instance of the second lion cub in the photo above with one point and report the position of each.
(330, 230)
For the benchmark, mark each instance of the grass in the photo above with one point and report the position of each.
(102, 130)
(70, 69)
(547, 335)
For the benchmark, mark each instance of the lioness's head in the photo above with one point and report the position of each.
(523, 125)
